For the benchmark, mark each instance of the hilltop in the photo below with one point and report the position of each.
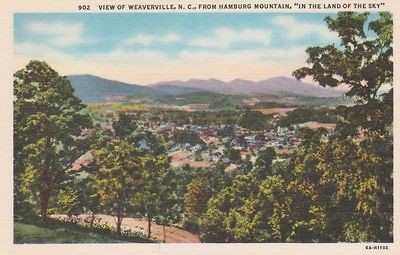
(92, 89)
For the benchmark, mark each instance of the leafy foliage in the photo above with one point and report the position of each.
(364, 64)
(191, 224)
(68, 201)
(155, 196)
(187, 136)
(252, 120)
(198, 193)
(115, 173)
(301, 115)
(263, 164)
(214, 100)
(340, 190)
(48, 121)
(356, 167)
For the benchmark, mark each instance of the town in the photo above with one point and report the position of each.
(233, 146)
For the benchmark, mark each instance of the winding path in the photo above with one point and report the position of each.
(173, 234)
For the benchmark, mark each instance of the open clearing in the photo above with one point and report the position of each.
(280, 111)
(315, 125)
(251, 101)
(179, 158)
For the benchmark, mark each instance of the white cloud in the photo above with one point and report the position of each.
(140, 39)
(298, 29)
(58, 33)
(250, 56)
(171, 37)
(225, 37)
(148, 39)
(149, 66)
(38, 51)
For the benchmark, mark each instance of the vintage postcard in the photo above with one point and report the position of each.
(199, 127)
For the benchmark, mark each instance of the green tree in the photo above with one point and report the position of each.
(198, 156)
(169, 210)
(310, 137)
(48, 122)
(301, 115)
(198, 193)
(87, 195)
(362, 63)
(227, 131)
(156, 196)
(356, 167)
(114, 173)
(187, 136)
(253, 120)
(154, 188)
(234, 155)
(246, 165)
(349, 190)
(263, 164)
(125, 125)
(68, 201)
(216, 224)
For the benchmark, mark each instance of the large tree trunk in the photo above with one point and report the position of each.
(92, 220)
(165, 235)
(46, 185)
(119, 222)
(44, 204)
(149, 226)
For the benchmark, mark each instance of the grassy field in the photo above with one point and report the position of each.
(280, 111)
(64, 232)
(120, 107)
(215, 101)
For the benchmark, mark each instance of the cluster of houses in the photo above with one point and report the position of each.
(217, 141)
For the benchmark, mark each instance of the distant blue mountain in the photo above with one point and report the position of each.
(91, 89)
(94, 89)
(275, 85)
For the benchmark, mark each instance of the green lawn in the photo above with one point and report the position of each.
(64, 232)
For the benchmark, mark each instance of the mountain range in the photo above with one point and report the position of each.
(274, 85)
(92, 88)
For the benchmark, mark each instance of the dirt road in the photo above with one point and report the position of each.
(173, 234)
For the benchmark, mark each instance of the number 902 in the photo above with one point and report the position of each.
(84, 7)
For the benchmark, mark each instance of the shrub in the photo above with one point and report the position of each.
(191, 224)
(134, 234)
(103, 227)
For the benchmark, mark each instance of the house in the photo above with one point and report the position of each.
(280, 160)
(226, 139)
(195, 148)
(251, 139)
(208, 133)
(225, 160)
(282, 130)
(231, 168)
(143, 145)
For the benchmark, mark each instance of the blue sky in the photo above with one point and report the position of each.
(144, 48)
